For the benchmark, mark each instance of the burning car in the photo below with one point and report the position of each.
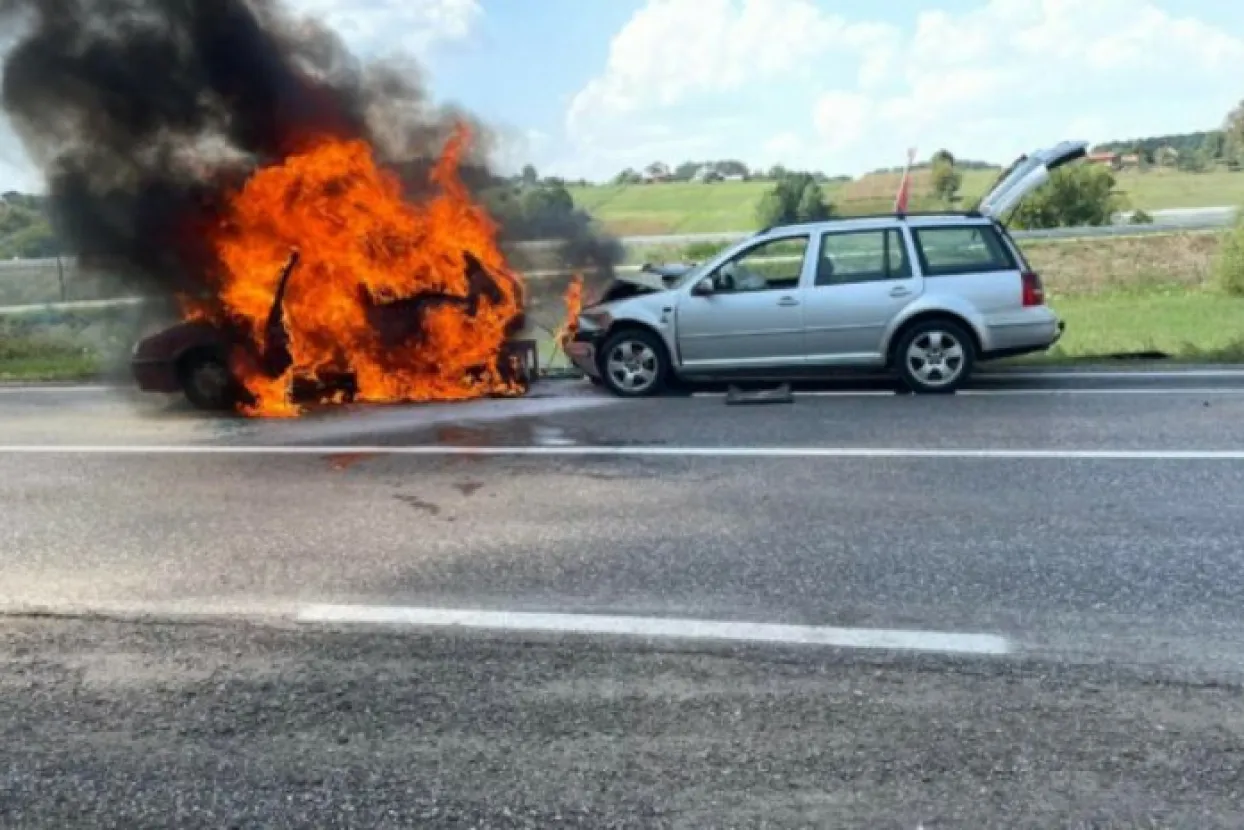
(200, 358)
(384, 299)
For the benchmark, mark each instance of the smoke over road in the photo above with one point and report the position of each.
(191, 145)
(142, 114)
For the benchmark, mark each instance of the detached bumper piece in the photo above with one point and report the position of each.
(748, 397)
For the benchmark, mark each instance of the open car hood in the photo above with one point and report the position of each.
(649, 279)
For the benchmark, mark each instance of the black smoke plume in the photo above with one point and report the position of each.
(144, 113)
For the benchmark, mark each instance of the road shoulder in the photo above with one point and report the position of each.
(213, 725)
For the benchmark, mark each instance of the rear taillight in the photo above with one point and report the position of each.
(1034, 291)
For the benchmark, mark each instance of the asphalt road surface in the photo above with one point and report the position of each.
(1017, 607)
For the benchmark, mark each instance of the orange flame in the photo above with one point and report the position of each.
(574, 304)
(362, 247)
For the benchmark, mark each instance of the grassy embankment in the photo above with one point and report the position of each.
(60, 345)
(66, 345)
(27, 358)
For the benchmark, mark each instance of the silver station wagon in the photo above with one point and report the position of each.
(923, 296)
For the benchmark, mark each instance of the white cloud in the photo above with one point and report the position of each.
(674, 53)
(840, 118)
(1019, 61)
(783, 145)
(846, 95)
(387, 26)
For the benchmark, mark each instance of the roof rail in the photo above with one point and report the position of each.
(906, 214)
(973, 213)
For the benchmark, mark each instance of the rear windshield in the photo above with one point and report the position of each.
(962, 249)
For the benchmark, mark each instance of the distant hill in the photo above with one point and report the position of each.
(1183, 142)
(962, 164)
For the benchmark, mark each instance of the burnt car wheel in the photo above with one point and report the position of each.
(633, 364)
(207, 382)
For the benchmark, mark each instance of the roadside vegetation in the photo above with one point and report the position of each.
(66, 345)
(29, 355)
(1229, 266)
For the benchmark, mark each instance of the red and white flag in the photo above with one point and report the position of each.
(904, 186)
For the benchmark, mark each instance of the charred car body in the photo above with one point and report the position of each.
(195, 357)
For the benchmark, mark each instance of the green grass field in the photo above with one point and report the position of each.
(685, 207)
(34, 357)
(1191, 326)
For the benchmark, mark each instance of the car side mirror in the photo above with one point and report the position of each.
(704, 287)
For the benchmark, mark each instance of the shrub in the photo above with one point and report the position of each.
(1229, 263)
(1076, 195)
(796, 197)
(1140, 217)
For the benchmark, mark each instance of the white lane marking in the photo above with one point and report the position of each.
(623, 452)
(660, 627)
(863, 393)
(26, 390)
(989, 393)
(1115, 374)
(1168, 390)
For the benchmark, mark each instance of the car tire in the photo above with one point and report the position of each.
(935, 357)
(208, 383)
(634, 364)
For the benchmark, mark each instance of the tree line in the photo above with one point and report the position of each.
(710, 171)
(1192, 152)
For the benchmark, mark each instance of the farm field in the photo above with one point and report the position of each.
(687, 207)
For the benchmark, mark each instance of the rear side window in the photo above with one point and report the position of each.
(862, 256)
(962, 249)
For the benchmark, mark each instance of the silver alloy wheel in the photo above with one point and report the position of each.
(936, 358)
(633, 366)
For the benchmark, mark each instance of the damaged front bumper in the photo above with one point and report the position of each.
(582, 350)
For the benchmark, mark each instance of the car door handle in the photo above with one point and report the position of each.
(899, 291)
(788, 301)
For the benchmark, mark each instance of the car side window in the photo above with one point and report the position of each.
(962, 249)
(862, 256)
(770, 266)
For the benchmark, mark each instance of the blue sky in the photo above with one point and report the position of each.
(583, 88)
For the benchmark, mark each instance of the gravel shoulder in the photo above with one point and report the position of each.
(107, 724)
